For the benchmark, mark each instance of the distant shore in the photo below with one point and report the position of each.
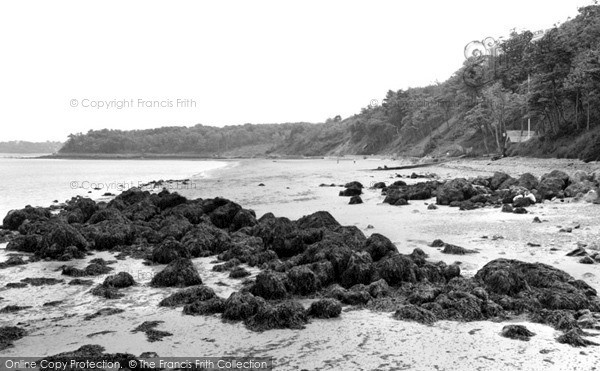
(158, 156)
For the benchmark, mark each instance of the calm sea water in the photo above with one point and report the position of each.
(38, 182)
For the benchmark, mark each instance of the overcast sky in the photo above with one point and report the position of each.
(235, 61)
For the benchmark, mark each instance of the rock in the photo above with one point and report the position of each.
(355, 200)
(320, 219)
(506, 208)
(400, 190)
(379, 288)
(586, 260)
(242, 305)
(518, 332)
(397, 269)
(239, 272)
(93, 269)
(303, 280)
(520, 201)
(536, 220)
(243, 218)
(378, 246)
(573, 338)
(378, 185)
(207, 307)
(12, 261)
(528, 181)
(451, 271)
(271, 285)
(261, 184)
(580, 187)
(579, 251)
(360, 270)
(552, 184)
(432, 207)
(119, 280)
(188, 296)
(107, 292)
(414, 313)
(497, 179)
(457, 250)
(325, 308)
(78, 281)
(520, 210)
(41, 281)
(103, 313)
(227, 266)
(541, 284)
(13, 308)
(287, 315)
(591, 196)
(179, 273)
(149, 328)
(223, 216)
(349, 192)
(580, 176)
(168, 251)
(350, 297)
(13, 220)
(205, 240)
(89, 353)
(8, 334)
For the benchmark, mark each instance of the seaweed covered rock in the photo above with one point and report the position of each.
(401, 191)
(242, 305)
(415, 313)
(378, 246)
(518, 332)
(359, 270)
(188, 296)
(286, 315)
(205, 240)
(94, 354)
(205, 307)
(271, 285)
(457, 189)
(169, 250)
(303, 280)
(398, 269)
(13, 220)
(528, 181)
(93, 269)
(119, 280)
(319, 219)
(109, 234)
(573, 337)
(239, 272)
(543, 286)
(8, 334)
(223, 216)
(325, 308)
(351, 297)
(179, 273)
(355, 200)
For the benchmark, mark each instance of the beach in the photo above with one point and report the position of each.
(360, 339)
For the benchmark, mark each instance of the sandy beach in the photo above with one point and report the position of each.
(359, 339)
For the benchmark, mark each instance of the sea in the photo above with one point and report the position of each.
(30, 180)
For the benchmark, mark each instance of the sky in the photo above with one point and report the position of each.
(72, 66)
